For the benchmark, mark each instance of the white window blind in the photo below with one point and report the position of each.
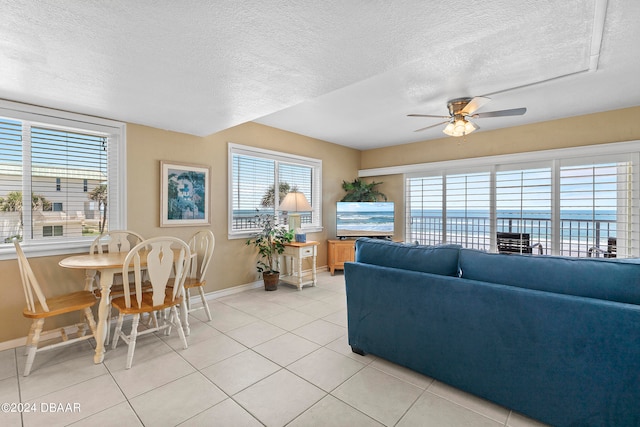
(468, 210)
(598, 210)
(424, 210)
(60, 180)
(573, 206)
(260, 179)
(523, 203)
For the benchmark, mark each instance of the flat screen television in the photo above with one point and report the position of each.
(364, 219)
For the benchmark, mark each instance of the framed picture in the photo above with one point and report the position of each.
(184, 194)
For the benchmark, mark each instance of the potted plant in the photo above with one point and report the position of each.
(270, 241)
(360, 191)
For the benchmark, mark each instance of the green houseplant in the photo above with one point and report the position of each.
(360, 191)
(269, 241)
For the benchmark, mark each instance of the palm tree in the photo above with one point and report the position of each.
(99, 194)
(269, 198)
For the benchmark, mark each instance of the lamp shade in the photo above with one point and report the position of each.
(295, 202)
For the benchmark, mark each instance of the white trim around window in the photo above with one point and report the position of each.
(114, 133)
(265, 170)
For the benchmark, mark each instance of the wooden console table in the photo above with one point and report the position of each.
(339, 252)
(295, 251)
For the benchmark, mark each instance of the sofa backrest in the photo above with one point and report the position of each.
(441, 259)
(607, 279)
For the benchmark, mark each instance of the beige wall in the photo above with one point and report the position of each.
(234, 262)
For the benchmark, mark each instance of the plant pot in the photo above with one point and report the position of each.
(271, 279)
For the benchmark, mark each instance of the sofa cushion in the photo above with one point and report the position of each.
(441, 259)
(606, 279)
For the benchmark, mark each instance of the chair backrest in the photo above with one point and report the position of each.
(115, 241)
(202, 245)
(29, 282)
(167, 261)
(518, 243)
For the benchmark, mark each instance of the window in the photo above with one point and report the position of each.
(254, 176)
(52, 230)
(572, 205)
(51, 164)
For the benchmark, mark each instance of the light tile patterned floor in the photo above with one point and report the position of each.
(267, 358)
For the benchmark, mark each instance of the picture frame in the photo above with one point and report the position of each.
(184, 194)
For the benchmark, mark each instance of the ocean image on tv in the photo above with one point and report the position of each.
(357, 219)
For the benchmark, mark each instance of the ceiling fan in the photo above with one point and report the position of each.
(463, 109)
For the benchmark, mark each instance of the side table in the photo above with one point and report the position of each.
(339, 252)
(296, 252)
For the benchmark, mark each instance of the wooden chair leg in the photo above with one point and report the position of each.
(132, 339)
(33, 348)
(88, 314)
(32, 330)
(178, 323)
(116, 333)
(187, 299)
(204, 302)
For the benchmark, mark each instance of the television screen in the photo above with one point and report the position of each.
(364, 219)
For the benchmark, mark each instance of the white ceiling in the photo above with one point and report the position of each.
(345, 71)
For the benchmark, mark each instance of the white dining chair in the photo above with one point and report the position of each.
(202, 244)
(168, 260)
(40, 308)
(113, 241)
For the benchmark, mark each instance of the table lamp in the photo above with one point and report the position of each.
(294, 203)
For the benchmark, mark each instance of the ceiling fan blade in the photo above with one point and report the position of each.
(474, 104)
(427, 115)
(432, 126)
(500, 113)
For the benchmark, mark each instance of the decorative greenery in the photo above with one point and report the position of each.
(99, 194)
(13, 202)
(269, 198)
(270, 241)
(360, 191)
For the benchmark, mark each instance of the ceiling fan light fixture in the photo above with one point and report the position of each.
(449, 129)
(459, 127)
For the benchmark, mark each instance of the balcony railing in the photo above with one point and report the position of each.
(579, 237)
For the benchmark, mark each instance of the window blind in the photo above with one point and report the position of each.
(468, 210)
(523, 203)
(424, 210)
(572, 206)
(598, 210)
(260, 179)
(253, 190)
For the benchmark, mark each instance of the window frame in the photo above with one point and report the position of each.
(277, 156)
(117, 166)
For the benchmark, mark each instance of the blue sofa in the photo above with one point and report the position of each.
(554, 338)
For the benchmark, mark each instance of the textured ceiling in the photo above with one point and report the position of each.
(347, 72)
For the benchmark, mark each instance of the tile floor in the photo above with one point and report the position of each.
(267, 358)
